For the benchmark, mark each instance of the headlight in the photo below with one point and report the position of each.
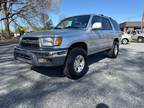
(50, 41)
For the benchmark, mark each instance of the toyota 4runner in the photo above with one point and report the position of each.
(70, 43)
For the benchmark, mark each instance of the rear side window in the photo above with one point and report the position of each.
(106, 24)
(115, 24)
(96, 19)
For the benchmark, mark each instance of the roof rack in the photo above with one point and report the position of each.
(101, 15)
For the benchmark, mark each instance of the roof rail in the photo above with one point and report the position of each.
(101, 15)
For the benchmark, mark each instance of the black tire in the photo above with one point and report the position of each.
(69, 69)
(125, 41)
(111, 52)
(140, 39)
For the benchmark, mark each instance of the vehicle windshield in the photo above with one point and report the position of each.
(74, 22)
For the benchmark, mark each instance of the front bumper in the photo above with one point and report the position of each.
(41, 57)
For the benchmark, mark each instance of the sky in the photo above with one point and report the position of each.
(120, 10)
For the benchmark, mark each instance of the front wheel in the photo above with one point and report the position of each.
(114, 51)
(76, 64)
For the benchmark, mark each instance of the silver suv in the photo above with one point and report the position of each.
(70, 43)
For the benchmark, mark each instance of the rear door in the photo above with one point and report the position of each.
(96, 39)
(107, 32)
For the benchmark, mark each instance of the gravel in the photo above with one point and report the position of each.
(109, 83)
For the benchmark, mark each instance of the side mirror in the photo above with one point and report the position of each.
(97, 25)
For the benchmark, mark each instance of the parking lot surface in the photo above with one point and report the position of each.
(109, 83)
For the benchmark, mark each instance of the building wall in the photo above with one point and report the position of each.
(127, 29)
(130, 26)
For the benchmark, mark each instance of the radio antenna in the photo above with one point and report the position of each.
(142, 23)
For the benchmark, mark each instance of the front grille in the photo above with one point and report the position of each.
(30, 42)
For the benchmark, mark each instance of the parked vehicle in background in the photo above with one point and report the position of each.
(16, 34)
(70, 43)
(126, 38)
(137, 35)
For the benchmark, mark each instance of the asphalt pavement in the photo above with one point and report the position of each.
(109, 83)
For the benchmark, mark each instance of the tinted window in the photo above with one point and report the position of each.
(106, 25)
(134, 32)
(129, 32)
(138, 32)
(115, 24)
(96, 19)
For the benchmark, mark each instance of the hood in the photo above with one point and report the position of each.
(54, 32)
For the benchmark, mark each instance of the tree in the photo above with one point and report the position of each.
(21, 29)
(31, 12)
(46, 22)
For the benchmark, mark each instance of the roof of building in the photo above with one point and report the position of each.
(130, 24)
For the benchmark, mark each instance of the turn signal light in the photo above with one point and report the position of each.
(58, 41)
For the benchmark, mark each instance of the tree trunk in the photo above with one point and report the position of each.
(6, 25)
(6, 20)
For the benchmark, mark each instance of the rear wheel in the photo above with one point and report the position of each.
(76, 64)
(140, 39)
(125, 41)
(114, 51)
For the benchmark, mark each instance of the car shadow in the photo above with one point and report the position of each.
(49, 71)
(58, 71)
(96, 57)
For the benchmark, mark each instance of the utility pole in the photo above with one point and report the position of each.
(142, 23)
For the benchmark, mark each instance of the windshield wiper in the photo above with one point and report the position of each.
(69, 27)
(58, 28)
(73, 27)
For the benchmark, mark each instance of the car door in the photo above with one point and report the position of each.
(107, 33)
(96, 39)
